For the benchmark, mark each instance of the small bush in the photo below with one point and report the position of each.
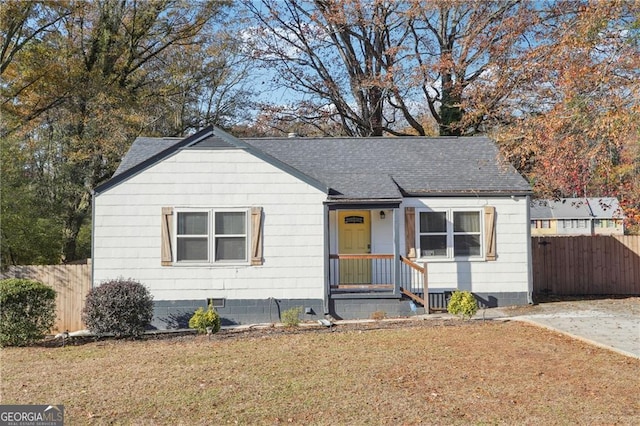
(27, 311)
(202, 319)
(119, 307)
(378, 315)
(462, 303)
(291, 317)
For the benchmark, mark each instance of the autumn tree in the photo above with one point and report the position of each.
(24, 22)
(82, 79)
(582, 138)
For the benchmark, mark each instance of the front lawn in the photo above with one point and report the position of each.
(420, 372)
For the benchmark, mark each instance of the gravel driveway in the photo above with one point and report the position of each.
(610, 323)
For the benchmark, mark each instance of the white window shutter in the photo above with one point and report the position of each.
(256, 236)
(167, 235)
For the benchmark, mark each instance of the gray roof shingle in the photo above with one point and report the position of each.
(576, 208)
(143, 149)
(364, 168)
(418, 165)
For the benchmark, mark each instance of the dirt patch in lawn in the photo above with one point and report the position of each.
(409, 372)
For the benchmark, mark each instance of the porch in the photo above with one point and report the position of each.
(377, 274)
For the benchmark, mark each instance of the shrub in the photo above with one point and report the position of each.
(291, 317)
(202, 319)
(28, 311)
(119, 307)
(462, 303)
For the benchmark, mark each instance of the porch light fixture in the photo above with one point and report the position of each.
(382, 215)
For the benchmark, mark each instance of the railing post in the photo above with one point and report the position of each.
(425, 282)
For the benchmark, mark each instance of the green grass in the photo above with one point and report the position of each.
(430, 373)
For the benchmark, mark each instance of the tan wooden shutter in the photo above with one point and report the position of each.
(410, 231)
(256, 236)
(167, 235)
(490, 232)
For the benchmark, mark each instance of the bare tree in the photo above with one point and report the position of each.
(371, 64)
(336, 54)
(456, 45)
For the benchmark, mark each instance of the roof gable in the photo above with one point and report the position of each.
(145, 152)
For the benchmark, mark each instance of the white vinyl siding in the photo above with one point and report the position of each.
(128, 228)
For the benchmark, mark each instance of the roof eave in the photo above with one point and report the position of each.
(362, 203)
(470, 193)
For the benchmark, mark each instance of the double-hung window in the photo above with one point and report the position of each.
(450, 233)
(230, 236)
(193, 236)
(433, 234)
(212, 236)
(466, 234)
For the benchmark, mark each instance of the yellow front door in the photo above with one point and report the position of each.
(354, 237)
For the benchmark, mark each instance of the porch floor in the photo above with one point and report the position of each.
(354, 288)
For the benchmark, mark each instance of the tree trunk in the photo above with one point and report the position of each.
(450, 110)
(376, 111)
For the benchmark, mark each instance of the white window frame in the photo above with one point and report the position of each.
(450, 235)
(211, 237)
(177, 237)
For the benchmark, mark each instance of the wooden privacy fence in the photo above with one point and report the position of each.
(71, 283)
(586, 265)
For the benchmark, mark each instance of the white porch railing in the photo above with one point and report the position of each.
(374, 272)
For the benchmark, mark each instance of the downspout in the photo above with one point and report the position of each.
(529, 252)
(327, 283)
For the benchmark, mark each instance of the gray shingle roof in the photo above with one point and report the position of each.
(142, 149)
(418, 165)
(576, 208)
(362, 168)
(605, 208)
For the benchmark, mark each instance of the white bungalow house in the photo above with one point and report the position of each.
(340, 226)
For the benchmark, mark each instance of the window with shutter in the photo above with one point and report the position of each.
(213, 236)
(455, 233)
